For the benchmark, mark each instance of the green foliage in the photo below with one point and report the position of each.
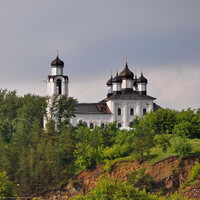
(163, 141)
(109, 189)
(84, 156)
(41, 160)
(108, 165)
(142, 140)
(182, 147)
(138, 178)
(184, 128)
(162, 121)
(195, 172)
(6, 187)
(62, 109)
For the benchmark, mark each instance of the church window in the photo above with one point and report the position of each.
(131, 111)
(119, 111)
(58, 84)
(130, 124)
(102, 125)
(119, 125)
(91, 125)
(144, 111)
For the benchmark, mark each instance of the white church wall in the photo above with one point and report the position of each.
(127, 83)
(96, 119)
(142, 87)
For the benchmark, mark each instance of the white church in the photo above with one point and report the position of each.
(126, 98)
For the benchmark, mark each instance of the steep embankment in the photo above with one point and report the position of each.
(168, 175)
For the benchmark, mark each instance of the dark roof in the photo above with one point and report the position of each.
(142, 79)
(126, 73)
(92, 108)
(110, 81)
(156, 107)
(57, 62)
(54, 76)
(133, 96)
(135, 81)
(117, 79)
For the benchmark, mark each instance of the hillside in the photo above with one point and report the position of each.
(168, 175)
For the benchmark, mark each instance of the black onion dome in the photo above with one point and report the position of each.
(142, 79)
(117, 79)
(57, 62)
(126, 73)
(110, 81)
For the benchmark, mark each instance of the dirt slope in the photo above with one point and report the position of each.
(168, 175)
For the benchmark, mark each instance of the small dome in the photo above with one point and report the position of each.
(57, 62)
(110, 81)
(126, 73)
(117, 79)
(142, 79)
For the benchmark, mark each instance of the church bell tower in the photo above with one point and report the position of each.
(57, 83)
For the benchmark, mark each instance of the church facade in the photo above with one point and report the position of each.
(126, 98)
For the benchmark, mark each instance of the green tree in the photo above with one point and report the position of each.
(6, 187)
(143, 140)
(163, 141)
(63, 109)
(3, 156)
(182, 147)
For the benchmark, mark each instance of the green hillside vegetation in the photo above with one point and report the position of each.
(35, 160)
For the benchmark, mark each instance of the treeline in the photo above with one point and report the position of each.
(37, 160)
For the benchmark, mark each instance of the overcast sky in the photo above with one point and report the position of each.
(93, 37)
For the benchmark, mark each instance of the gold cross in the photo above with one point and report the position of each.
(57, 52)
(126, 57)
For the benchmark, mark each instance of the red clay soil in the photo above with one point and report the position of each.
(167, 175)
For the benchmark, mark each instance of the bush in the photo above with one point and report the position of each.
(182, 147)
(195, 172)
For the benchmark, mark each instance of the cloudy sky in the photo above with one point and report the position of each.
(93, 37)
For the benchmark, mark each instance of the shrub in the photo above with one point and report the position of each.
(195, 172)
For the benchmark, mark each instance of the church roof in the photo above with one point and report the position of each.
(117, 79)
(133, 96)
(141, 79)
(57, 62)
(156, 107)
(92, 108)
(110, 81)
(126, 73)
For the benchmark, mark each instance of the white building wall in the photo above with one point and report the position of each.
(124, 119)
(57, 71)
(142, 87)
(96, 119)
(116, 86)
(110, 89)
(127, 83)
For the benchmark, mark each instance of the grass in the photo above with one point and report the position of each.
(157, 155)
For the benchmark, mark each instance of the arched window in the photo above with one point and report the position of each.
(119, 125)
(59, 87)
(91, 125)
(131, 111)
(102, 125)
(144, 111)
(119, 111)
(130, 124)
